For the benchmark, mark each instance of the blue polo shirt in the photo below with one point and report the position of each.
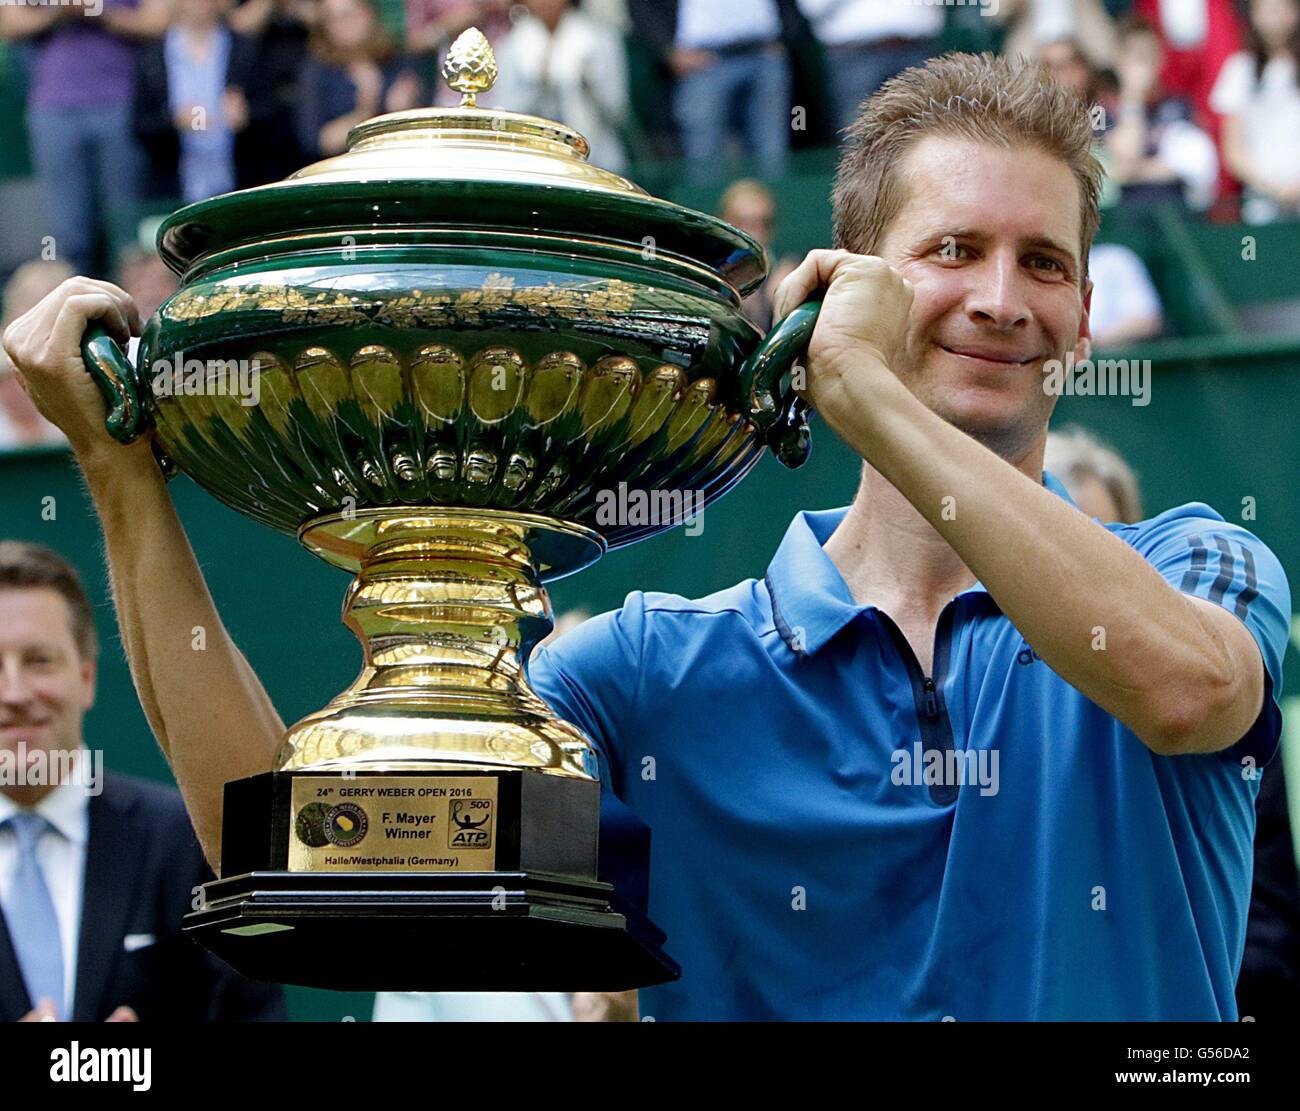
(839, 836)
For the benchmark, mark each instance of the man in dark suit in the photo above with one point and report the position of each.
(96, 871)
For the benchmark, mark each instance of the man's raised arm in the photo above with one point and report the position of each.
(210, 713)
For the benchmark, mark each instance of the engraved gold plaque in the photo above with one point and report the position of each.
(393, 824)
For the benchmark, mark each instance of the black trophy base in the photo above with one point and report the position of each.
(431, 931)
(538, 920)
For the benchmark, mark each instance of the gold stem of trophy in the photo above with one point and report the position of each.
(447, 604)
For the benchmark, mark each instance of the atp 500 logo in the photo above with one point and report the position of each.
(471, 824)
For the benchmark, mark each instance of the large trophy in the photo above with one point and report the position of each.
(434, 359)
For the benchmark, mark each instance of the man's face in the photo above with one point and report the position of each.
(1275, 20)
(1067, 65)
(989, 238)
(45, 685)
(1093, 498)
(1140, 54)
(348, 23)
(753, 214)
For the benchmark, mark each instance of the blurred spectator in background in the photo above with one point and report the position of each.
(1154, 151)
(96, 871)
(1196, 37)
(563, 65)
(187, 113)
(1098, 479)
(432, 26)
(867, 42)
(1068, 65)
(81, 84)
(354, 72)
(731, 66)
(748, 205)
(1031, 24)
(146, 278)
(20, 424)
(267, 148)
(253, 17)
(1125, 305)
(1258, 96)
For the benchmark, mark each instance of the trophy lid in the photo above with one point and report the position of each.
(468, 142)
(460, 166)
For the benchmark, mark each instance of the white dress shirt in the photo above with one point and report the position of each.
(61, 854)
(709, 24)
(840, 22)
(1122, 290)
(473, 1006)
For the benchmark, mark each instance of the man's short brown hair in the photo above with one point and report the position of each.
(1008, 102)
(29, 566)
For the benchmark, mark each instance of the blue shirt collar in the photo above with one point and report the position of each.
(810, 600)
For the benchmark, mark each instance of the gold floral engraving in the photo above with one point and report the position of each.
(418, 309)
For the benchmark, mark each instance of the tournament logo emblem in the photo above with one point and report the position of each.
(309, 826)
(345, 825)
(470, 829)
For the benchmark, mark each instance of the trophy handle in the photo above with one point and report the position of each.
(118, 381)
(782, 418)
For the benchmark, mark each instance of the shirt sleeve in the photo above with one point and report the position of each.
(1201, 554)
(1139, 295)
(591, 677)
(1231, 92)
(1190, 153)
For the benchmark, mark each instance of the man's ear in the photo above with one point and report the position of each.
(1083, 345)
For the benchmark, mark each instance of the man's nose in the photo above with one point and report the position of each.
(14, 686)
(998, 298)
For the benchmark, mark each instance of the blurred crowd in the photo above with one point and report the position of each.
(134, 106)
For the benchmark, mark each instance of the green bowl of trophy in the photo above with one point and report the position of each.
(440, 359)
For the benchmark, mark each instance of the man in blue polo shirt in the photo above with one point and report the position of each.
(963, 752)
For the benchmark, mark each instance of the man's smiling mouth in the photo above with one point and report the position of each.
(988, 356)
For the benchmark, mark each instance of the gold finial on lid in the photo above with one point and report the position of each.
(470, 67)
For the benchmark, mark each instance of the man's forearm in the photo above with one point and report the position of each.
(1099, 615)
(210, 713)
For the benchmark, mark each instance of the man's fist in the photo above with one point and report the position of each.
(864, 308)
(45, 346)
(861, 329)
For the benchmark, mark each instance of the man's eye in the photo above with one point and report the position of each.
(950, 250)
(1043, 262)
